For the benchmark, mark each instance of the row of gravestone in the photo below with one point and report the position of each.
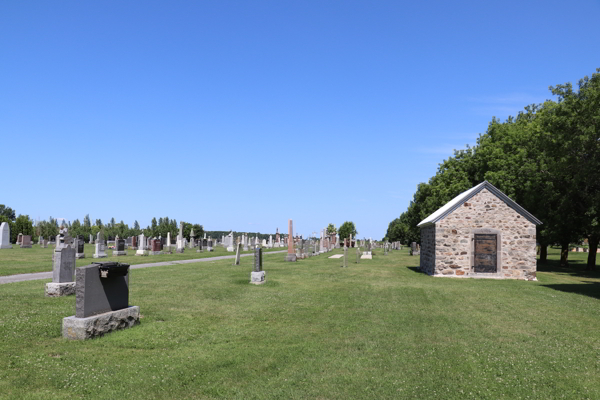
(102, 293)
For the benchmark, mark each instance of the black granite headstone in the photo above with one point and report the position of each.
(120, 244)
(97, 295)
(257, 259)
(80, 244)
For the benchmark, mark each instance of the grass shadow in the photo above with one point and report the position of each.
(417, 270)
(586, 288)
(575, 268)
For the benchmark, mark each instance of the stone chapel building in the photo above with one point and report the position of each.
(481, 233)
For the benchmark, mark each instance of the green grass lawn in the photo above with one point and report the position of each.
(23, 261)
(375, 330)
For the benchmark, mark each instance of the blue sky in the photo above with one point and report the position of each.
(241, 115)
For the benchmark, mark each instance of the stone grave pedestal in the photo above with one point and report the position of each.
(62, 273)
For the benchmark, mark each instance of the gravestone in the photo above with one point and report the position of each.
(134, 243)
(180, 240)
(192, 236)
(91, 239)
(141, 251)
(156, 247)
(79, 247)
(26, 242)
(358, 254)
(291, 255)
(119, 247)
(345, 257)
(200, 245)
(101, 303)
(5, 236)
(19, 238)
(414, 249)
(62, 273)
(230, 242)
(258, 276)
(40, 240)
(238, 253)
(44, 244)
(100, 247)
(245, 241)
(209, 244)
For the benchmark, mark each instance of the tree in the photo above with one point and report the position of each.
(346, 229)
(86, 221)
(154, 227)
(22, 225)
(7, 212)
(331, 230)
(572, 139)
(76, 228)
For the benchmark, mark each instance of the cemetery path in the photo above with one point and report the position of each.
(48, 275)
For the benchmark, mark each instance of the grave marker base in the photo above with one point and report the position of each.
(60, 289)
(79, 255)
(155, 253)
(98, 325)
(119, 253)
(258, 278)
(290, 257)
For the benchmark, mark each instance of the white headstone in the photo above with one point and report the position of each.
(5, 236)
(141, 251)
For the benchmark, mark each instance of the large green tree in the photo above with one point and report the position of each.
(23, 224)
(572, 138)
(346, 229)
(7, 212)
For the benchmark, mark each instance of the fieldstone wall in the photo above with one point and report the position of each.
(427, 263)
(454, 239)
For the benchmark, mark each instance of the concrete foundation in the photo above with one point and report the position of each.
(98, 325)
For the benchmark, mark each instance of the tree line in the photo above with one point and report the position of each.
(547, 159)
(51, 227)
(158, 227)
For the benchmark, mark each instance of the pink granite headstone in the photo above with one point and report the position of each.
(291, 255)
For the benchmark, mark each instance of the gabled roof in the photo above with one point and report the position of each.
(466, 195)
